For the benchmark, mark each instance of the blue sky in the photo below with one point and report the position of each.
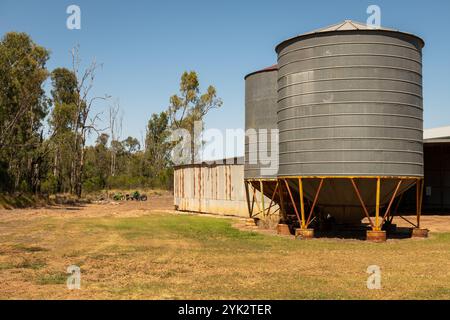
(146, 45)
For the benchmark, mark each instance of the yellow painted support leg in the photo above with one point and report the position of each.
(377, 212)
(302, 204)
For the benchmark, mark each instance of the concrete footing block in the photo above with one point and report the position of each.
(283, 229)
(420, 233)
(376, 236)
(304, 234)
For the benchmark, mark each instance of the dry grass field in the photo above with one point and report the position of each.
(145, 251)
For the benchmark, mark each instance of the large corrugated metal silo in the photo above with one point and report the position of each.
(350, 118)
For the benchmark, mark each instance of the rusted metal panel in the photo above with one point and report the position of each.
(206, 188)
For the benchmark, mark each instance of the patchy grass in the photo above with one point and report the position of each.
(165, 256)
(54, 278)
(30, 264)
(26, 248)
(6, 266)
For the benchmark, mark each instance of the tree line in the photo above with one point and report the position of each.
(43, 138)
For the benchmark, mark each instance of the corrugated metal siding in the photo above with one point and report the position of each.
(216, 189)
(260, 113)
(351, 104)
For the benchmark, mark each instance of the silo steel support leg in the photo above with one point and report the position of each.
(272, 199)
(419, 232)
(303, 232)
(422, 183)
(282, 208)
(255, 200)
(292, 200)
(419, 194)
(261, 186)
(395, 212)
(388, 210)
(314, 203)
(302, 204)
(376, 235)
(377, 206)
(253, 197)
(361, 201)
(247, 196)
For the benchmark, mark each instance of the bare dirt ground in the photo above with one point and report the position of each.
(146, 250)
(96, 209)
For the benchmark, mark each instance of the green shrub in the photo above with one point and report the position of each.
(49, 185)
(93, 184)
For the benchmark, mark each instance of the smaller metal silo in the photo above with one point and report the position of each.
(261, 142)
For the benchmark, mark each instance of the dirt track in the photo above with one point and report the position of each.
(164, 203)
(99, 209)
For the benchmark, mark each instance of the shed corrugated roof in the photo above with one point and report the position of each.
(224, 161)
(437, 134)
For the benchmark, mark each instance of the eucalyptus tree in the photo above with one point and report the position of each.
(23, 107)
(189, 108)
